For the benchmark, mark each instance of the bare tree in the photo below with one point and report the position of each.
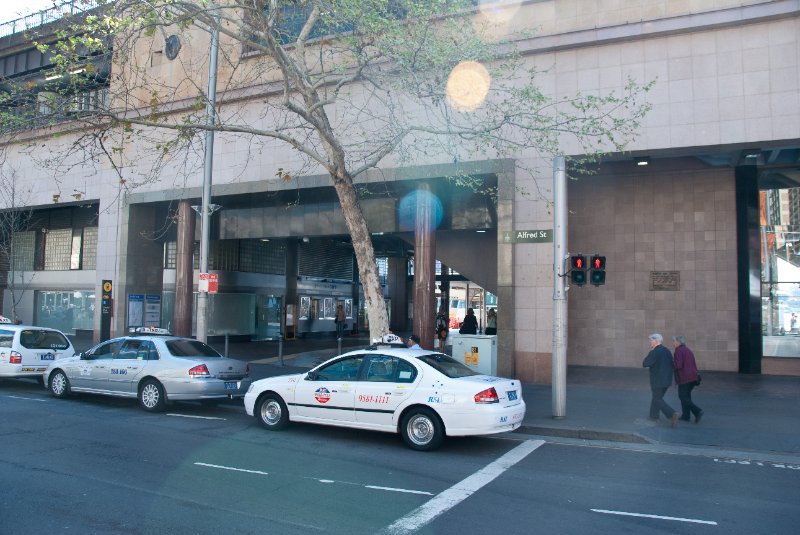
(345, 86)
(15, 219)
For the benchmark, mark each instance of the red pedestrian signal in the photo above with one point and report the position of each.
(598, 270)
(577, 272)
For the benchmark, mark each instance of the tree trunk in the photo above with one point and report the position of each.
(365, 255)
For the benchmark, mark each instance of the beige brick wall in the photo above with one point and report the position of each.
(661, 219)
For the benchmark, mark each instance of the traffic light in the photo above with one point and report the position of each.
(597, 271)
(577, 272)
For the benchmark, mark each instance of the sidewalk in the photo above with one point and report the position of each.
(758, 413)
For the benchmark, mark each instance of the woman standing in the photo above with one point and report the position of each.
(470, 323)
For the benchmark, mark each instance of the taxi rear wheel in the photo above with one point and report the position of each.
(271, 411)
(151, 396)
(422, 429)
(59, 384)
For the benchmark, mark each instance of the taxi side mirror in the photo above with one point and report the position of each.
(82, 356)
(311, 376)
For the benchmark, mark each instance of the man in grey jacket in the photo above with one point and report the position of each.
(659, 360)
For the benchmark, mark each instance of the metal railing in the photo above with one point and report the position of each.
(46, 16)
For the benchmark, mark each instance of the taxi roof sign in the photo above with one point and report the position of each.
(151, 330)
(4, 319)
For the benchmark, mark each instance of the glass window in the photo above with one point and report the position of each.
(447, 365)
(136, 350)
(89, 255)
(58, 249)
(170, 255)
(191, 348)
(6, 338)
(382, 368)
(106, 350)
(22, 255)
(43, 339)
(342, 370)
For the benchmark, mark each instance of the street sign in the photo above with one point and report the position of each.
(208, 282)
(528, 236)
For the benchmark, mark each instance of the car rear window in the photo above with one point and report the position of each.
(6, 338)
(447, 365)
(43, 339)
(191, 348)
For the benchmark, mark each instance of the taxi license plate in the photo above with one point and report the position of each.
(512, 395)
(231, 385)
(47, 356)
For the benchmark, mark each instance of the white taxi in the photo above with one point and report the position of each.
(26, 351)
(423, 395)
(152, 366)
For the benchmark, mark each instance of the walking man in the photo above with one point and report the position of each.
(659, 360)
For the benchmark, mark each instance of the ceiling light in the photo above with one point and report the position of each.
(642, 160)
(480, 231)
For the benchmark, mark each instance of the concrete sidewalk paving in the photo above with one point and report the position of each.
(757, 413)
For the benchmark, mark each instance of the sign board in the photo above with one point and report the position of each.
(528, 236)
(135, 310)
(668, 281)
(106, 310)
(152, 310)
(208, 282)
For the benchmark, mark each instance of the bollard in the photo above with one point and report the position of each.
(280, 347)
(339, 346)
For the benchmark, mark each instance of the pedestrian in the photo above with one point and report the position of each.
(442, 328)
(470, 323)
(687, 378)
(340, 319)
(659, 360)
(491, 321)
(413, 342)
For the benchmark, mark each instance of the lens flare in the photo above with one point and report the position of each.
(407, 209)
(468, 85)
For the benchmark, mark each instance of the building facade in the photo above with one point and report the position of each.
(690, 246)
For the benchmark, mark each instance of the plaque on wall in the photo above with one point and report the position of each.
(665, 281)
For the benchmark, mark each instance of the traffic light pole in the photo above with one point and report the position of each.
(560, 256)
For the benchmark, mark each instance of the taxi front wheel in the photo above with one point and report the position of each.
(271, 411)
(151, 396)
(59, 384)
(422, 429)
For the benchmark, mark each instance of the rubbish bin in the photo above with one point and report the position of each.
(477, 351)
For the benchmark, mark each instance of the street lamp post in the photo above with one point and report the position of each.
(206, 209)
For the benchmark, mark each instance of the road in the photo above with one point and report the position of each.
(91, 464)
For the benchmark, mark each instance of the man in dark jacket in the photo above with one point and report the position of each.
(659, 360)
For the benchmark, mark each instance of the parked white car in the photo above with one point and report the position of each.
(423, 395)
(26, 351)
(153, 367)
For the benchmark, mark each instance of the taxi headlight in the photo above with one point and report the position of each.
(250, 388)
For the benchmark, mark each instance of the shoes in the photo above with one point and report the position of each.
(674, 419)
(698, 417)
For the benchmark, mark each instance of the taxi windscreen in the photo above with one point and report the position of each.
(447, 365)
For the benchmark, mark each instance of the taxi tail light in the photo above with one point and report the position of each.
(487, 396)
(200, 370)
(15, 358)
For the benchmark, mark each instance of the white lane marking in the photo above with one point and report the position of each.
(258, 472)
(29, 399)
(461, 490)
(326, 481)
(678, 519)
(193, 416)
(392, 489)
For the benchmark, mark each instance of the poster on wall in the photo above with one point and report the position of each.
(135, 310)
(348, 308)
(329, 313)
(152, 310)
(305, 308)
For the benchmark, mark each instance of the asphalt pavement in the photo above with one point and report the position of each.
(743, 413)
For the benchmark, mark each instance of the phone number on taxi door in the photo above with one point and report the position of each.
(373, 399)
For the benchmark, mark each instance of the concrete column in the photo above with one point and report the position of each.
(182, 315)
(425, 268)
